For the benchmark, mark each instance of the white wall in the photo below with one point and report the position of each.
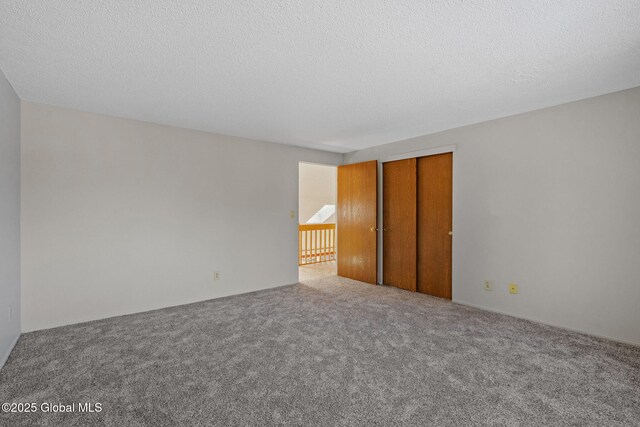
(9, 218)
(317, 187)
(549, 200)
(120, 216)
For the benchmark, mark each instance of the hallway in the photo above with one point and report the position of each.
(316, 271)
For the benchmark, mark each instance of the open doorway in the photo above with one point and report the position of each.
(317, 232)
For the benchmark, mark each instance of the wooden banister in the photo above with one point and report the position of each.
(316, 243)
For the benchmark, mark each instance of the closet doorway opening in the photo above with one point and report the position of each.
(317, 231)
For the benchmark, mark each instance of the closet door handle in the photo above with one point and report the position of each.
(451, 233)
(373, 229)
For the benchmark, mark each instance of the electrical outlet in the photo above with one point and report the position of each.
(513, 288)
(488, 285)
(216, 275)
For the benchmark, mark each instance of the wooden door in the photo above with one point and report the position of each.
(357, 221)
(435, 187)
(399, 228)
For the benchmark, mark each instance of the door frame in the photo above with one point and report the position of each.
(297, 207)
(402, 156)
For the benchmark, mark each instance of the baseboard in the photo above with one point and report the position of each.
(555, 325)
(28, 329)
(9, 350)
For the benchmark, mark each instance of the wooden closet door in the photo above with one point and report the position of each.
(435, 198)
(357, 221)
(399, 228)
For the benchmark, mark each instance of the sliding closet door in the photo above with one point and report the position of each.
(357, 219)
(435, 179)
(400, 215)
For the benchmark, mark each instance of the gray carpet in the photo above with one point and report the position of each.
(328, 352)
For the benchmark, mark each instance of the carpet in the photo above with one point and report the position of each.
(329, 352)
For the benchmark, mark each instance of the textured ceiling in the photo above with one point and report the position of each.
(332, 74)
